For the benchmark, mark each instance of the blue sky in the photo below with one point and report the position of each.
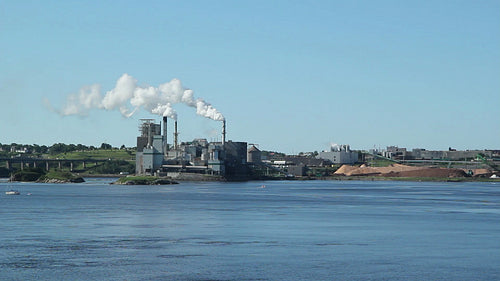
(290, 76)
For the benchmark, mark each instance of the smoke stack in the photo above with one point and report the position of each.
(165, 145)
(175, 135)
(150, 134)
(223, 131)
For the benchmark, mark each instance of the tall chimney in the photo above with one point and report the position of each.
(223, 131)
(150, 134)
(175, 135)
(165, 145)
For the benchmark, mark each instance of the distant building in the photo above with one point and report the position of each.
(297, 171)
(307, 161)
(398, 153)
(339, 154)
(454, 155)
(21, 150)
(254, 155)
(395, 152)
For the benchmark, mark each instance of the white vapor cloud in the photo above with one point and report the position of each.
(127, 97)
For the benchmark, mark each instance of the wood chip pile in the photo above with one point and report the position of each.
(398, 170)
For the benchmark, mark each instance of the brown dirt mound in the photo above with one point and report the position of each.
(431, 173)
(344, 169)
(363, 170)
(398, 170)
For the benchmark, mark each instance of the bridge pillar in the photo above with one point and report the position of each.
(47, 165)
(22, 165)
(84, 165)
(7, 164)
(71, 166)
(60, 165)
(34, 164)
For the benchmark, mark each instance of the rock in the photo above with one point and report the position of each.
(77, 180)
(144, 181)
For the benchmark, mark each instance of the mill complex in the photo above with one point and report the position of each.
(155, 156)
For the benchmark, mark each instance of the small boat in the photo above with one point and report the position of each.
(12, 192)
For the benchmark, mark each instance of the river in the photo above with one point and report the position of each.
(274, 230)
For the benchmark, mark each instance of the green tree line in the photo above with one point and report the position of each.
(57, 148)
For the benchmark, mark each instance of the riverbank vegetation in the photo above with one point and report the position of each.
(40, 175)
(144, 180)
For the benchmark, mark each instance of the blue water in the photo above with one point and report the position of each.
(290, 230)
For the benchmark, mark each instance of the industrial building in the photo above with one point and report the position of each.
(155, 156)
(254, 155)
(339, 154)
(401, 153)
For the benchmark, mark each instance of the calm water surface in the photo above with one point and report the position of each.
(313, 230)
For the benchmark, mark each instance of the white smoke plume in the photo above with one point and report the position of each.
(334, 147)
(127, 97)
(79, 104)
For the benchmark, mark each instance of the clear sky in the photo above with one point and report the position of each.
(290, 76)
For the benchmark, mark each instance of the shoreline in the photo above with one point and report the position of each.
(333, 178)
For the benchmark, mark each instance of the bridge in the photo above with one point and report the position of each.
(27, 162)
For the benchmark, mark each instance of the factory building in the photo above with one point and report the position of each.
(149, 155)
(254, 155)
(401, 153)
(155, 156)
(339, 154)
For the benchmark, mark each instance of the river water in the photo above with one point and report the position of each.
(280, 230)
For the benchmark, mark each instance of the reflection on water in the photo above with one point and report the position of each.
(314, 230)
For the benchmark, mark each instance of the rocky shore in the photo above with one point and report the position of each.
(55, 180)
(138, 180)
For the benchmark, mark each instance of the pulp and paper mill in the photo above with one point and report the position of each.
(155, 156)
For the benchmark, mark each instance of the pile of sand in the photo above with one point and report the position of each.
(345, 169)
(430, 173)
(398, 170)
(363, 170)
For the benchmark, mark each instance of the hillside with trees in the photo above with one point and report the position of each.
(110, 160)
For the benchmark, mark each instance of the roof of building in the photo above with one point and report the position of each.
(253, 148)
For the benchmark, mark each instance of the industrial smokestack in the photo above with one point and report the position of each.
(175, 135)
(150, 135)
(223, 131)
(165, 145)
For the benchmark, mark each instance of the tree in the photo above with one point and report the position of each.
(81, 147)
(44, 149)
(106, 146)
(71, 147)
(57, 148)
